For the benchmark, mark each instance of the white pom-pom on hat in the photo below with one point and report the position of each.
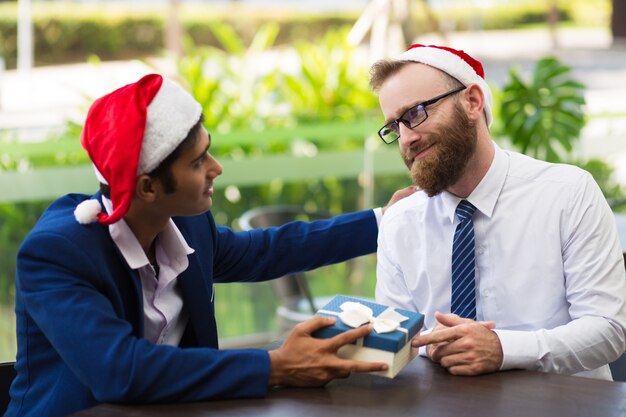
(87, 211)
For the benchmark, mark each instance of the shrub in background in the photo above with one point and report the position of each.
(543, 116)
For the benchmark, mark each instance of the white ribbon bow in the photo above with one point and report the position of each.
(356, 314)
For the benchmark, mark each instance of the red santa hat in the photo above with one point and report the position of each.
(455, 63)
(130, 132)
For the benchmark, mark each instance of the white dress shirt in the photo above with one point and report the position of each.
(549, 267)
(165, 317)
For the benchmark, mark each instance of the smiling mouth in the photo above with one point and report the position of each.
(419, 154)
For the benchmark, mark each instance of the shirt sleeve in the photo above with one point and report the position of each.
(391, 288)
(595, 291)
(378, 212)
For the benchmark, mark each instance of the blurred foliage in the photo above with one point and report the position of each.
(72, 32)
(544, 116)
(603, 173)
(239, 92)
(15, 221)
(329, 82)
(228, 82)
(321, 79)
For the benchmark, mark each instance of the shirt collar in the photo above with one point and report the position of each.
(486, 193)
(170, 238)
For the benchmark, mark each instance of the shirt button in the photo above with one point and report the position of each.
(481, 250)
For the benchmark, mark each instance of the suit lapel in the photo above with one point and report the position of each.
(128, 283)
(197, 290)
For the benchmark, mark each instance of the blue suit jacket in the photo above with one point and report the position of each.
(80, 315)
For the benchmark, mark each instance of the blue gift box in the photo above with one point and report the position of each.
(390, 342)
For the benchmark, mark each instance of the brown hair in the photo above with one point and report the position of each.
(385, 68)
(163, 172)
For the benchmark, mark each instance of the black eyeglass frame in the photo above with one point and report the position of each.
(407, 123)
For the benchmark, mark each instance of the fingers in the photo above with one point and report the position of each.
(441, 336)
(461, 364)
(305, 361)
(314, 323)
(351, 365)
(477, 350)
(399, 195)
(358, 366)
(349, 337)
(405, 192)
(450, 319)
(488, 324)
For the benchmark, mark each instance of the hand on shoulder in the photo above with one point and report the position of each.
(399, 195)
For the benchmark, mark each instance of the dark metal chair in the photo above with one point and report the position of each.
(7, 375)
(297, 302)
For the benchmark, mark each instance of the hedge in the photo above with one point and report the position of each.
(74, 34)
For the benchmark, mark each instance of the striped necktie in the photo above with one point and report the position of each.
(463, 286)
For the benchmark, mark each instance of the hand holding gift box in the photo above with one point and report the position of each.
(389, 342)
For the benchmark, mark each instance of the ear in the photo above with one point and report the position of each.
(146, 188)
(476, 102)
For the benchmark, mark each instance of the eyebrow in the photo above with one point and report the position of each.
(403, 110)
(206, 150)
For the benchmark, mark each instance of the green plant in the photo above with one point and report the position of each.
(331, 81)
(544, 116)
(15, 222)
(233, 88)
(602, 172)
(229, 84)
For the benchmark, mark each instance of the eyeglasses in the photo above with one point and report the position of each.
(413, 117)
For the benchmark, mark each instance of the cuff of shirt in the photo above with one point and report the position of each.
(378, 212)
(519, 349)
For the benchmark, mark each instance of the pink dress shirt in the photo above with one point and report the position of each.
(165, 317)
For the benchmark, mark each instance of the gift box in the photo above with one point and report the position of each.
(388, 342)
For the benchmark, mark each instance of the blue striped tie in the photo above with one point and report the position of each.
(463, 287)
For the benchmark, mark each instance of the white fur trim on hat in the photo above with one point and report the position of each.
(170, 116)
(99, 176)
(453, 65)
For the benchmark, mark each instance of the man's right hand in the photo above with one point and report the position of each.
(463, 346)
(305, 361)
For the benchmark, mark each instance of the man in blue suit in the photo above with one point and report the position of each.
(114, 297)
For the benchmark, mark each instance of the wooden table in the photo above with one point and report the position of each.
(422, 389)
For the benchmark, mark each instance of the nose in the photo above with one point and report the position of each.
(214, 168)
(408, 136)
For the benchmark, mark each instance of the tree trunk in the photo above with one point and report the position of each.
(553, 21)
(618, 21)
(173, 30)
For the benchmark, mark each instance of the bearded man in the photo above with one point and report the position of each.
(515, 262)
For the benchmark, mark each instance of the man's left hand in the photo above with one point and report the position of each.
(463, 347)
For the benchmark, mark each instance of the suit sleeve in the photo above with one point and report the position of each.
(263, 254)
(60, 284)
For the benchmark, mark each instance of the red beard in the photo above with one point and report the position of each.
(451, 150)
